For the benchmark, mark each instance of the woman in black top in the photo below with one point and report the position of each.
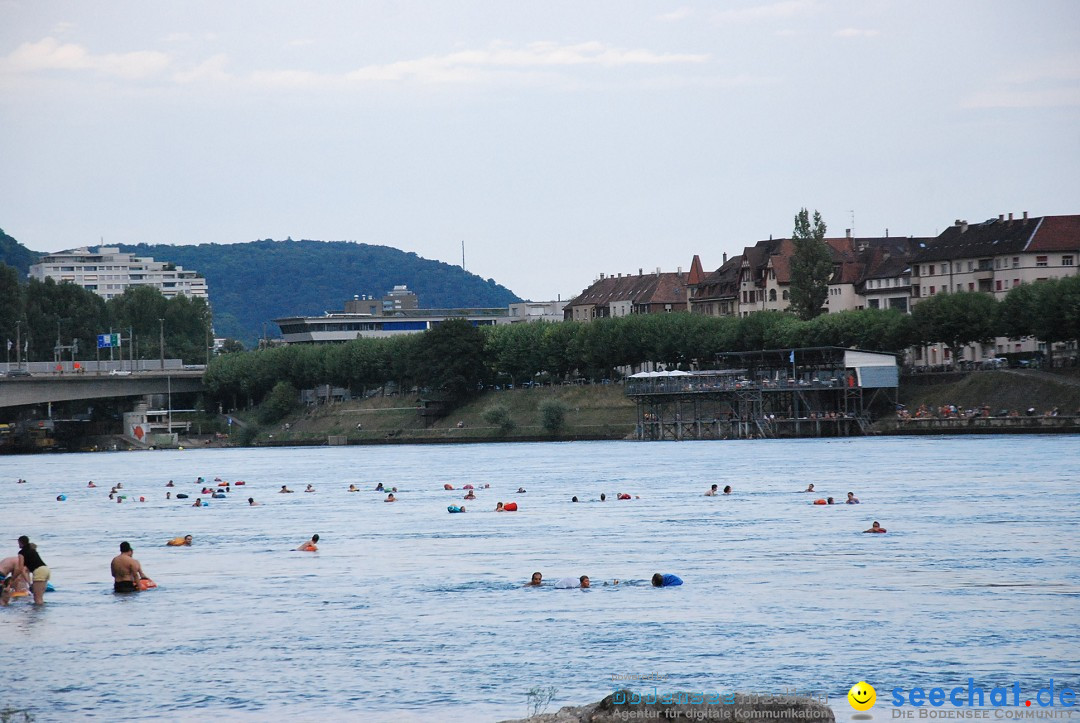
(39, 571)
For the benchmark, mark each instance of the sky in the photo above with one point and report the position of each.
(557, 140)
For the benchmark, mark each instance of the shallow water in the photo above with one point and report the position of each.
(409, 613)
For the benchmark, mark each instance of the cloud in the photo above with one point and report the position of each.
(1051, 82)
(855, 33)
(498, 60)
(784, 10)
(50, 55)
(675, 15)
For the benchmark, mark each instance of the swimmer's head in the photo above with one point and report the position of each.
(727, 489)
(187, 539)
(314, 538)
(537, 578)
(714, 487)
(584, 580)
(24, 541)
(658, 580)
(602, 497)
(574, 499)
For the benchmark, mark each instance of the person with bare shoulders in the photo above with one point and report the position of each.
(711, 492)
(536, 581)
(310, 545)
(876, 528)
(126, 570)
(809, 488)
(252, 502)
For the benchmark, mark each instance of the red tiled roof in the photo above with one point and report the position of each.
(696, 274)
(1056, 233)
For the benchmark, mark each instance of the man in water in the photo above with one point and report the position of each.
(310, 545)
(584, 580)
(852, 499)
(876, 527)
(184, 541)
(284, 490)
(9, 583)
(126, 570)
(711, 492)
(659, 580)
(252, 502)
(809, 488)
(536, 581)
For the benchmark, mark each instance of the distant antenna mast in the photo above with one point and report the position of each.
(462, 254)
(852, 212)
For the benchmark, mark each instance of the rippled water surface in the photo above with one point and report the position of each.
(409, 613)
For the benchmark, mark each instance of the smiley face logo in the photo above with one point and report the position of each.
(862, 696)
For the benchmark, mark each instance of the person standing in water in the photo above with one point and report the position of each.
(126, 570)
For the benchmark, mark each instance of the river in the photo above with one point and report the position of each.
(409, 613)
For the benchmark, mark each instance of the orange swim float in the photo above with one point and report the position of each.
(448, 486)
(820, 502)
(510, 507)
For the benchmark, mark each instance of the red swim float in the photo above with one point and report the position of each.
(448, 486)
(820, 502)
(510, 507)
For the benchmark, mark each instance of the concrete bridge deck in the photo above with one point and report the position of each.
(42, 388)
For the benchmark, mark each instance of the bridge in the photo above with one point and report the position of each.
(17, 391)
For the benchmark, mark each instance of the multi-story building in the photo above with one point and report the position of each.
(613, 296)
(107, 273)
(526, 311)
(994, 257)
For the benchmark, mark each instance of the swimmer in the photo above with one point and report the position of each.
(851, 499)
(126, 570)
(455, 508)
(603, 497)
(499, 507)
(170, 484)
(91, 484)
(830, 501)
(711, 492)
(876, 527)
(184, 541)
(574, 499)
(809, 488)
(9, 582)
(379, 488)
(623, 496)
(284, 490)
(168, 495)
(727, 489)
(521, 490)
(659, 580)
(198, 502)
(469, 496)
(310, 545)
(309, 489)
(353, 488)
(584, 581)
(446, 486)
(390, 498)
(252, 502)
(536, 581)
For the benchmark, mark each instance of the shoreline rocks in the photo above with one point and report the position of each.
(625, 705)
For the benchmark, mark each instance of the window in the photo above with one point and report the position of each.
(959, 287)
(931, 269)
(997, 285)
(971, 286)
(931, 291)
(772, 294)
(1041, 261)
(1066, 260)
(971, 265)
(785, 295)
(873, 303)
(997, 263)
(1016, 282)
(1016, 262)
(945, 268)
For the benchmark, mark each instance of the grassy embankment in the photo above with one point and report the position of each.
(604, 412)
(592, 412)
(1000, 390)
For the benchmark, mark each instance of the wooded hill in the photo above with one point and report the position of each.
(253, 283)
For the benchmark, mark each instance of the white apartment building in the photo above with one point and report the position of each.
(107, 273)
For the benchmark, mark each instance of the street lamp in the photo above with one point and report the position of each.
(161, 341)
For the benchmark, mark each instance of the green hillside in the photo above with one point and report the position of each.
(256, 282)
(16, 255)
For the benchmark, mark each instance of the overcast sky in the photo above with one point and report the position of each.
(558, 140)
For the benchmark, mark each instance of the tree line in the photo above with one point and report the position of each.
(34, 314)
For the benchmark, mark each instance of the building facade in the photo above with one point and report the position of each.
(108, 273)
(615, 296)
